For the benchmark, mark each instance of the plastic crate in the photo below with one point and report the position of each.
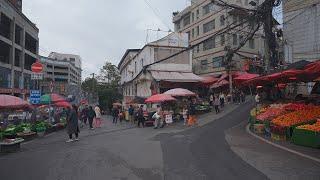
(278, 137)
(306, 138)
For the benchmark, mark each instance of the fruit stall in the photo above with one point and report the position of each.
(295, 122)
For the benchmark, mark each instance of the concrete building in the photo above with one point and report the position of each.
(74, 59)
(301, 30)
(19, 45)
(204, 19)
(143, 74)
(62, 72)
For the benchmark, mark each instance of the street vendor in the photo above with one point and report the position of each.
(192, 113)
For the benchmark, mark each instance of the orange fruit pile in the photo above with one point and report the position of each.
(314, 127)
(297, 117)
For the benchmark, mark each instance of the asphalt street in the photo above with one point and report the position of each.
(218, 149)
(203, 153)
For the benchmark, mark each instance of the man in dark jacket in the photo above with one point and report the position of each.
(91, 114)
(72, 124)
(140, 116)
(115, 114)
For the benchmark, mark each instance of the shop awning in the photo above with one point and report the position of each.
(175, 76)
(219, 84)
(245, 77)
(208, 80)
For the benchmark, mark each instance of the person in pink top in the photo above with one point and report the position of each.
(98, 120)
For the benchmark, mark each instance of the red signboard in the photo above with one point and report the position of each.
(37, 67)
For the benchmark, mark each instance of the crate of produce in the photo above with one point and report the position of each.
(278, 137)
(259, 128)
(306, 138)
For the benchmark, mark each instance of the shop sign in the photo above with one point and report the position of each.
(36, 76)
(169, 119)
(15, 91)
(35, 96)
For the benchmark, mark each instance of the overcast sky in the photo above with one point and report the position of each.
(98, 30)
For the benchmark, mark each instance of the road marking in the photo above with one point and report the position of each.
(281, 147)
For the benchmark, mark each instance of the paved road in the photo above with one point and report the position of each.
(121, 152)
(203, 153)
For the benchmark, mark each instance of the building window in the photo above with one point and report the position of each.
(251, 44)
(186, 20)
(192, 33)
(235, 39)
(234, 19)
(197, 31)
(208, 8)
(178, 25)
(198, 48)
(142, 63)
(240, 38)
(217, 62)
(135, 67)
(198, 13)
(192, 17)
(222, 20)
(189, 35)
(222, 40)
(209, 26)
(209, 43)
(204, 64)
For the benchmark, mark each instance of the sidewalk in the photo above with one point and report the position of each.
(272, 161)
(312, 152)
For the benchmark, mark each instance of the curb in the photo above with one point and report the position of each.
(281, 147)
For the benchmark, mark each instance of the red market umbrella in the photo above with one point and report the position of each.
(178, 92)
(51, 98)
(64, 104)
(12, 102)
(245, 77)
(208, 80)
(219, 84)
(158, 98)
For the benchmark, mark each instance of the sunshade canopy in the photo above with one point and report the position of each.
(51, 98)
(178, 92)
(158, 98)
(12, 102)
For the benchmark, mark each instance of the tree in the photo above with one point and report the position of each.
(109, 85)
(110, 74)
(89, 85)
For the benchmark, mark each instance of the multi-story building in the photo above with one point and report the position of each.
(301, 30)
(152, 70)
(205, 21)
(19, 45)
(61, 73)
(72, 58)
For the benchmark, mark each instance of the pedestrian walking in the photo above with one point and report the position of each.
(72, 124)
(115, 114)
(222, 99)
(120, 116)
(140, 116)
(211, 100)
(91, 115)
(157, 118)
(216, 104)
(131, 113)
(98, 120)
(185, 114)
(192, 113)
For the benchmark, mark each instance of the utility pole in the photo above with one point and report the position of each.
(93, 85)
(270, 57)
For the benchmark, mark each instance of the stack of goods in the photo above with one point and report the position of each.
(307, 135)
(270, 114)
(298, 117)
